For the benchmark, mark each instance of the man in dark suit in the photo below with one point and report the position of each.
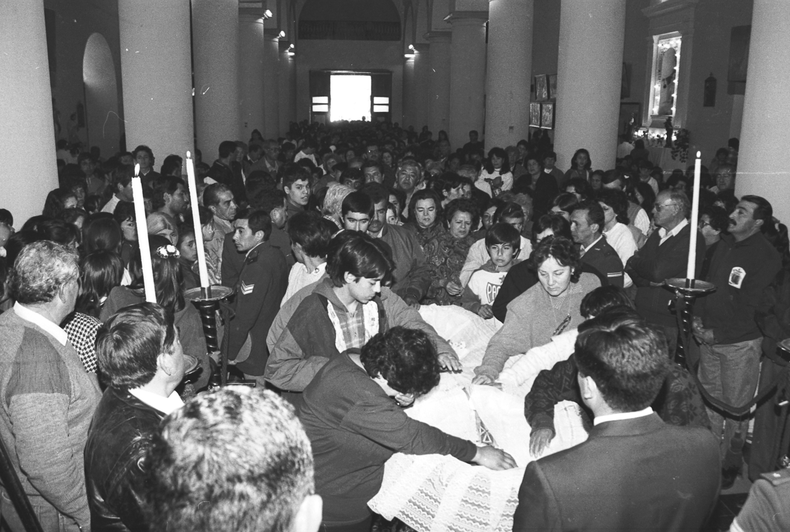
(634, 472)
(587, 222)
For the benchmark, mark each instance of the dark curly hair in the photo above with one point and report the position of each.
(425, 194)
(559, 226)
(462, 205)
(617, 200)
(563, 250)
(405, 358)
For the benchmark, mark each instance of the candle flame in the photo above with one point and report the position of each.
(137, 170)
(699, 154)
(189, 155)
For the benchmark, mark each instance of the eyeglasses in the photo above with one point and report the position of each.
(704, 224)
(660, 208)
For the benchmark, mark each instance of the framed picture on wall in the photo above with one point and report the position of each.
(553, 86)
(541, 88)
(534, 114)
(547, 115)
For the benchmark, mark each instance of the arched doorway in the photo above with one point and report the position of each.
(102, 119)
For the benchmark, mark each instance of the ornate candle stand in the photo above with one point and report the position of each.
(686, 291)
(207, 301)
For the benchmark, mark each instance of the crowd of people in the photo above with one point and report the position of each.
(331, 239)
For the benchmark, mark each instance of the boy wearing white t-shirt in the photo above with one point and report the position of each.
(502, 243)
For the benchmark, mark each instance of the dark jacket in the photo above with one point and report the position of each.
(629, 475)
(118, 440)
(261, 286)
(655, 264)
(603, 257)
(225, 175)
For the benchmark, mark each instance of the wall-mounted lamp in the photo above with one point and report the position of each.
(290, 51)
(267, 14)
(412, 53)
(281, 35)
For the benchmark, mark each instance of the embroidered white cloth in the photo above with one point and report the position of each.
(441, 493)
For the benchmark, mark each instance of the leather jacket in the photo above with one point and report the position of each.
(118, 439)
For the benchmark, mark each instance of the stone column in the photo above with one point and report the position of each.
(467, 75)
(421, 87)
(440, 82)
(590, 64)
(215, 25)
(156, 74)
(27, 134)
(287, 87)
(251, 73)
(762, 160)
(271, 61)
(509, 72)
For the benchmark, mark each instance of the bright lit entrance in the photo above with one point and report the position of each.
(350, 97)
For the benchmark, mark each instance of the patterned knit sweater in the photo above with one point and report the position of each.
(48, 401)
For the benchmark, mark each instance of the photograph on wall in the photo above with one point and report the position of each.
(541, 88)
(553, 86)
(547, 115)
(534, 114)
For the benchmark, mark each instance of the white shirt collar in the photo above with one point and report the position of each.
(664, 234)
(37, 319)
(586, 249)
(166, 405)
(622, 416)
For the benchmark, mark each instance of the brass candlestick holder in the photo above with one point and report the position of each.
(207, 300)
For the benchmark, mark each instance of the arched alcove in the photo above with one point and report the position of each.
(101, 96)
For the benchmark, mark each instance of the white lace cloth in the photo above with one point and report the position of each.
(441, 493)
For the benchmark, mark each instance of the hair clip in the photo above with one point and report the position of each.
(167, 252)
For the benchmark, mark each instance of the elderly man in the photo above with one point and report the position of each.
(664, 256)
(219, 199)
(242, 438)
(635, 471)
(142, 360)
(408, 176)
(48, 398)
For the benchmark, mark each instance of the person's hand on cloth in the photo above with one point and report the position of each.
(450, 362)
(483, 379)
(493, 458)
(539, 440)
(454, 288)
(485, 312)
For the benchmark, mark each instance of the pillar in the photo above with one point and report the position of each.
(27, 134)
(215, 25)
(421, 99)
(509, 73)
(156, 75)
(439, 82)
(287, 87)
(762, 160)
(271, 62)
(590, 64)
(467, 75)
(252, 72)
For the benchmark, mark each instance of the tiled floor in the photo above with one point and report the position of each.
(730, 503)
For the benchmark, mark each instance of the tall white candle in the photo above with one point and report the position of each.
(193, 200)
(694, 222)
(142, 236)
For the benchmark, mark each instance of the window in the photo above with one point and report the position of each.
(666, 67)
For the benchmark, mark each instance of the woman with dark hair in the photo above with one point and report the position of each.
(642, 194)
(352, 413)
(101, 232)
(496, 176)
(168, 285)
(564, 205)
(581, 165)
(447, 251)
(57, 201)
(101, 271)
(616, 229)
(60, 232)
(580, 188)
(172, 166)
(550, 225)
(425, 216)
(544, 310)
(75, 217)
